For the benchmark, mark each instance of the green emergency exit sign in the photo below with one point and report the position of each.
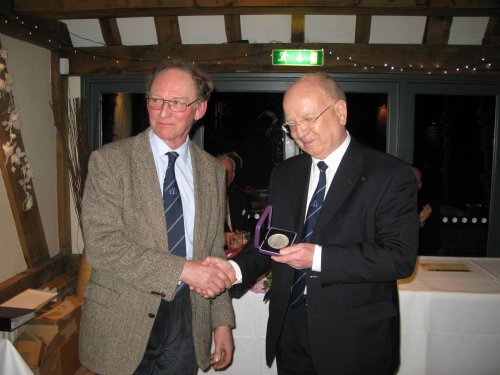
(298, 57)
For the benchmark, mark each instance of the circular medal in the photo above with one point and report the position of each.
(278, 241)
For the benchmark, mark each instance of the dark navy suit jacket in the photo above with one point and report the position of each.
(368, 230)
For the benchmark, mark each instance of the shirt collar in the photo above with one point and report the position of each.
(160, 148)
(336, 156)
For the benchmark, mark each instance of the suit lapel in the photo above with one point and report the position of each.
(203, 190)
(346, 177)
(146, 188)
(301, 175)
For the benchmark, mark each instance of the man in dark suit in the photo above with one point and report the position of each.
(365, 238)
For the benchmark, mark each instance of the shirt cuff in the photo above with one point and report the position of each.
(316, 266)
(239, 276)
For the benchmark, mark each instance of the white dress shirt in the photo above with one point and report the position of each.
(184, 177)
(333, 162)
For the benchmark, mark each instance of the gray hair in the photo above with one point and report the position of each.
(203, 83)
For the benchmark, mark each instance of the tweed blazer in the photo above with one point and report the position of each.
(126, 245)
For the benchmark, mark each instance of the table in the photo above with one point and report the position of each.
(11, 361)
(450, 321)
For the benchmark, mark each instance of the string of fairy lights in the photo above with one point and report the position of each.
(482, 64)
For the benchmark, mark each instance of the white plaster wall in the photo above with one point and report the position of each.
(30, 66)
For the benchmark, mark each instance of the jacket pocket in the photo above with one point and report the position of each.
(373, 312)
(101, 294)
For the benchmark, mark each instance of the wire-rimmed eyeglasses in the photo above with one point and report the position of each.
(173, 105)
(291, 127)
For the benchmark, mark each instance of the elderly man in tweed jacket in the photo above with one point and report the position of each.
(135, 320)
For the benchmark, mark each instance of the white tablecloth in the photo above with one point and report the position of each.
(11, 361)
(450, 322)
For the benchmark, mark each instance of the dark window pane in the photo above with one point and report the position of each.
(123, 115)
(250, 125)
(453, 148)
(367, 118)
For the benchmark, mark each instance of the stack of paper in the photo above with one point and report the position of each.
(13, 317)
(21, 308)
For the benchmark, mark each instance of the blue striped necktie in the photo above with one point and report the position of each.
(299, 278)
(172, 205)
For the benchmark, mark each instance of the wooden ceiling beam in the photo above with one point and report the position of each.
(242, 57)
(48, 34)
(110, 31)
(363, 28)
(492, 33)
(298, 27)
(68, 9)
(167, 30)
(437, 30)
(232, 24)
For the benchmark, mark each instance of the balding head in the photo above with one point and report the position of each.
(230, 167)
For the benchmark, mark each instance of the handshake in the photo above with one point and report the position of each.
(209, 277)
(212, 276)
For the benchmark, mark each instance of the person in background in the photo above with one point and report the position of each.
(238, 210)
(428, 233)
(139, 315)
(334, 305)
(237, 223)
(424, 209)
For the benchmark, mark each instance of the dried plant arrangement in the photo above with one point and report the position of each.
(71, 122)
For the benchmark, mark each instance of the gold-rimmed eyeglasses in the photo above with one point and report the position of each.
(173, 105)
(290, 127)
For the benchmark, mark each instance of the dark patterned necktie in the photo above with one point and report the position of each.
(172, 205)
(299, 278)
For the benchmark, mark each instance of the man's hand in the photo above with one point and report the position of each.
(222, 266)
(298, 256)
(224, 347)
(424, 214)
(207, 277)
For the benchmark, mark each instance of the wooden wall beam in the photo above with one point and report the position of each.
(35, 277)
(242, 57)
(59, 86)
